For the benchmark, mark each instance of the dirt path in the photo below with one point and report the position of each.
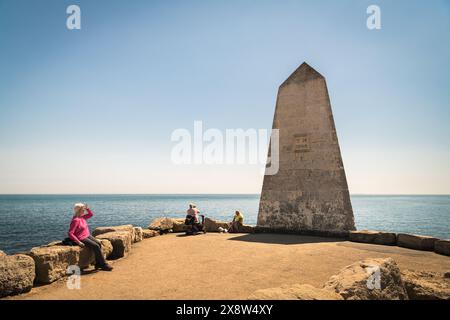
(224, 266)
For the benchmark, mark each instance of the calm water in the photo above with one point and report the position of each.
(32, 220)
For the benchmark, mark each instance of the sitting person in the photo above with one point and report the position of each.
(192, 219)
(236, 224)
(79, 233)
(192, 214)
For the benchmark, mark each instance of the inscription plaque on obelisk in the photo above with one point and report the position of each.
(309, 193)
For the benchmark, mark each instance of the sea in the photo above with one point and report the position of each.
(27, 221)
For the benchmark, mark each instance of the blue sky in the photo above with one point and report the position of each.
(92, 110)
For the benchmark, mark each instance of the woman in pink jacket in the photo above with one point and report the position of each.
(79, 233)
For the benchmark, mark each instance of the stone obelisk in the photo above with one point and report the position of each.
(309, 193)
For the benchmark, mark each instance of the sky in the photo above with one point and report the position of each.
(93, 110)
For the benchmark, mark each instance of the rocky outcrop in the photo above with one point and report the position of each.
(375, 237)
(417, 242)
(2, 254)
(161, 224)
(369, 279)
(121, 242)
(442, 247)
(17, 273)
(422, 285)
(295, 292)
(138, 234)
(149, 233)
(212, 225)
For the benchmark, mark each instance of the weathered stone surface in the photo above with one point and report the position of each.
(309, 193)
(126, 227)
(138, 234)
(178, 225)
(53, 259)
(376, 237)
(422, 285)
(442, 247)
(2, 254)
(149, 233)
(295, 292)
(360, 281)
(212, 225)
(52, 262)
(247, 229)
(417, 242)
(161, 224)
(17, 274)
(121, 242)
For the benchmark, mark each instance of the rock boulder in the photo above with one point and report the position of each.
(414, 241)
(17, 273)
(212, 225)
(369, 279)
(52, 261)
(138, 234)
(425, 285)
(161, 224)
(442, 247)
(149, 233)
(375, 237)
(121, 242)
(178, 225)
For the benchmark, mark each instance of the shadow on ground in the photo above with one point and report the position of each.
(282, 238)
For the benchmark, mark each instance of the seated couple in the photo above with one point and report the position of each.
(192, 220)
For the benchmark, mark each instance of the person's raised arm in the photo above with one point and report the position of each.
(89, 213)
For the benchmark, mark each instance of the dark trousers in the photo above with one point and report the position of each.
(96, 246)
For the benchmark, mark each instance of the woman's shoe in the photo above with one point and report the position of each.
(106, 267)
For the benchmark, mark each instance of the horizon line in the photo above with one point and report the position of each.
(157, 194)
